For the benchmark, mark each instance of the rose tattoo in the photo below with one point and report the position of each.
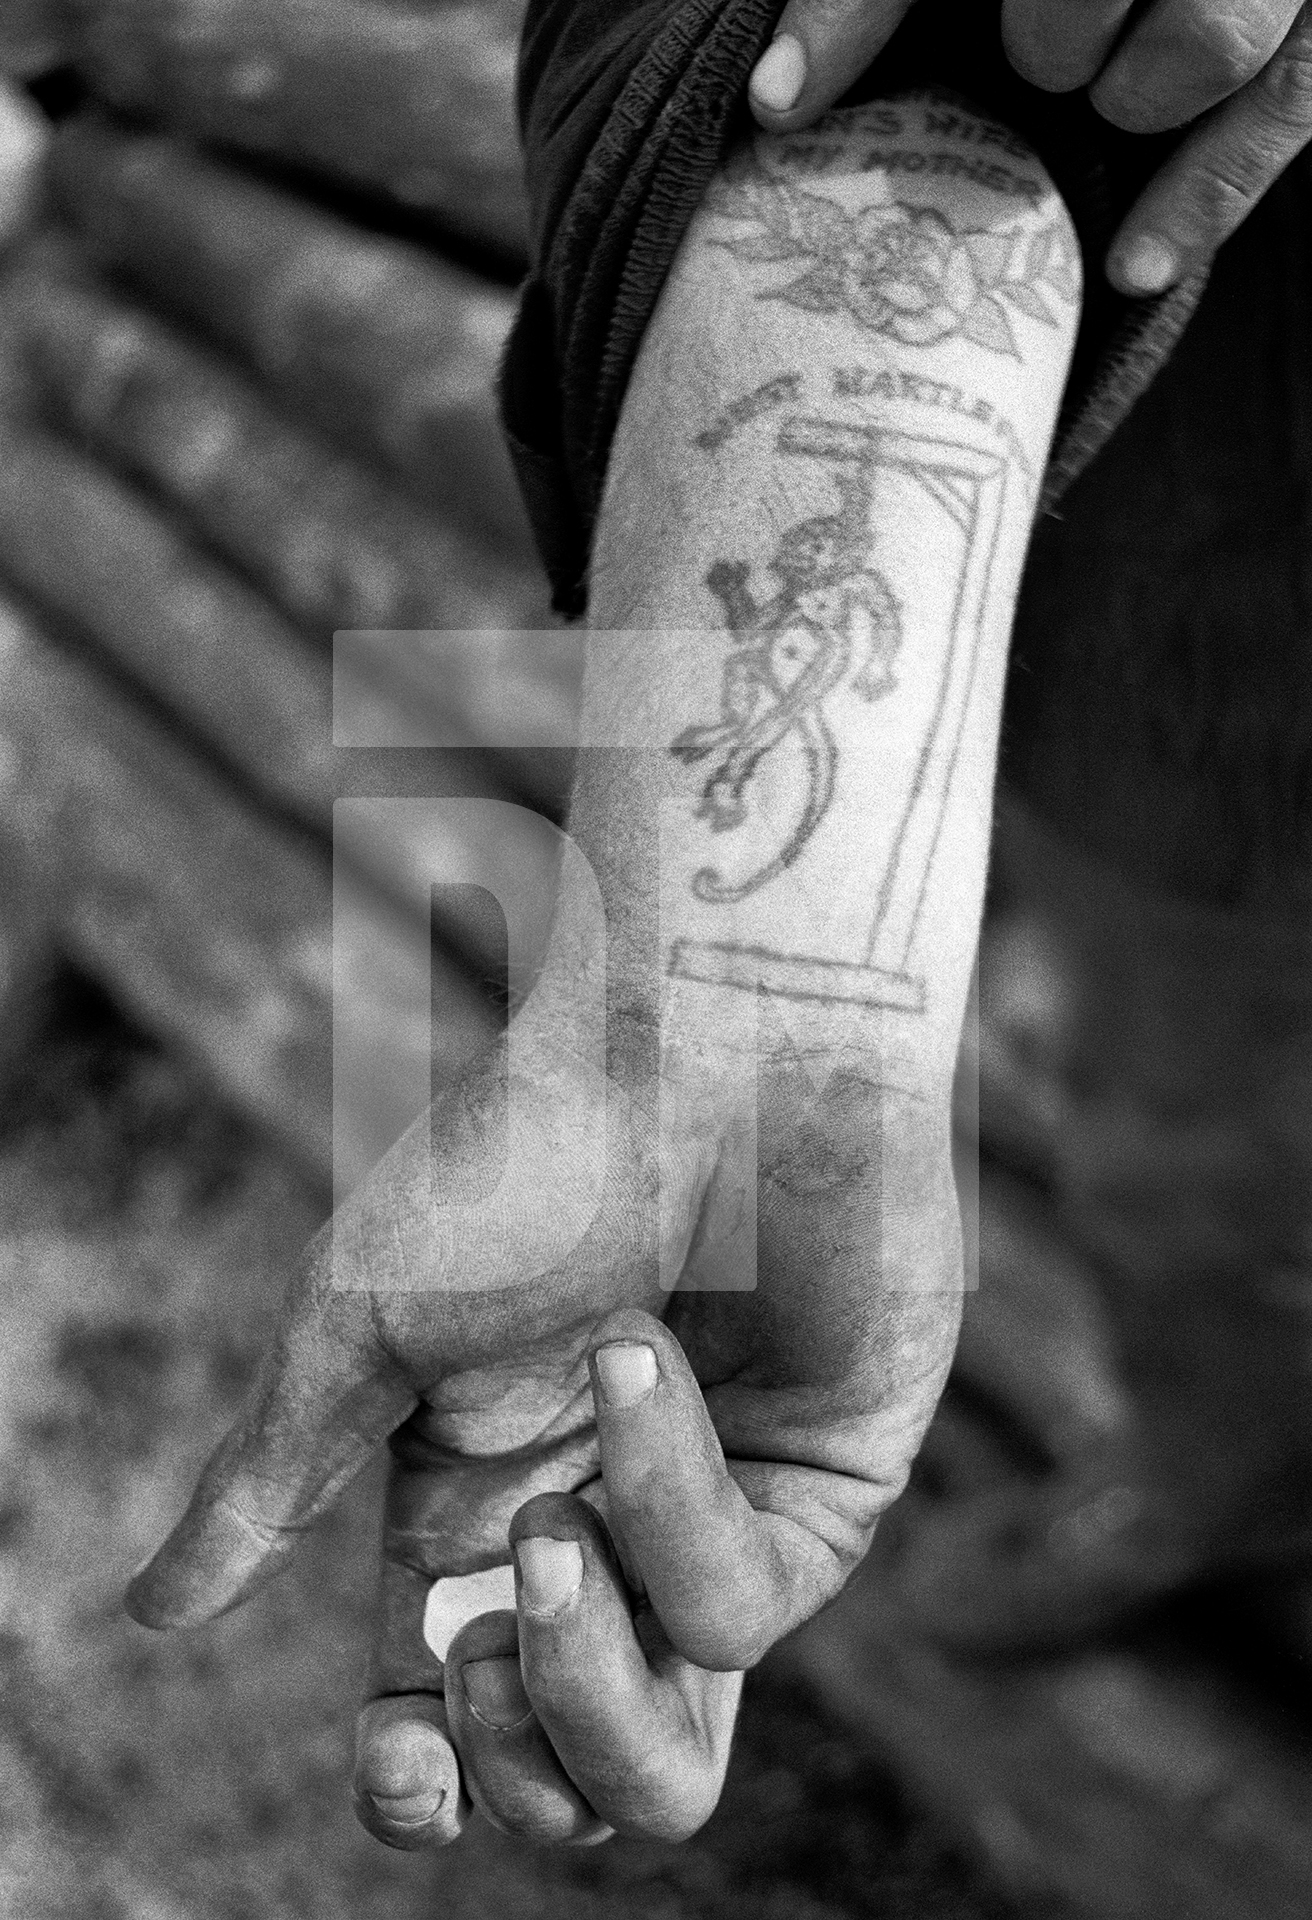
(898, 270)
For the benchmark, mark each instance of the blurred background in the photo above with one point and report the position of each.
(259, 260)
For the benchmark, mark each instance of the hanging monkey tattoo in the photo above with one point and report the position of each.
(791, 650)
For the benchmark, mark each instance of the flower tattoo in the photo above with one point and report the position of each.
(898, 270)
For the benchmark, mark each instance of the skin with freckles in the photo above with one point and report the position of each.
(673, 1353)
(1237, 76)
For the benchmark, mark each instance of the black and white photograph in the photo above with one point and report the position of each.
(655, 960)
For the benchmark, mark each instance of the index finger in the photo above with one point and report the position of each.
(1184, 56)
(323, 1399)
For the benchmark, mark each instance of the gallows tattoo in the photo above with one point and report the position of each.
(792, 649)
(768, 690)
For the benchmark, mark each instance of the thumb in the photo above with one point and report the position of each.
(324, 1397)
(820, 48)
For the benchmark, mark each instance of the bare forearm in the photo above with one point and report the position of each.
(817, 511)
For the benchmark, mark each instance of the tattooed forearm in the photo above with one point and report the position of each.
(817, 510)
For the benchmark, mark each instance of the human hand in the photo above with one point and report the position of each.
(1239, 78)
(679, 1494)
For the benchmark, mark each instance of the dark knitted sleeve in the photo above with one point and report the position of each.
(627, 107)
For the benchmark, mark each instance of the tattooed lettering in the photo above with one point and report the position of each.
(943, 164)
(786, 389)
(891, 383)
(791, 649)
(838, 135)
(937, 163)
(895, 383)
(900, 271)
(964, 124)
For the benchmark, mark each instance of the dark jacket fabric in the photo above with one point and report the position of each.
(627, 106)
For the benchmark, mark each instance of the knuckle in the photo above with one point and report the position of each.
(1225, 53)
(1224, 192)
(1287, 81)
(550, 1813)
(1150, 88)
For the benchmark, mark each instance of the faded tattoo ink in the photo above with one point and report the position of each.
(895, 383)
(792, 649)
(900, 271)
(861, 145)
(944, 163)
(791, 652)
(786, 388)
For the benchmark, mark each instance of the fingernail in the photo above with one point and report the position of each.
(627, 1373)
(495, 1692)
(780, 73)
(1148, 264)
(550, 1572)
(408, 1809)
